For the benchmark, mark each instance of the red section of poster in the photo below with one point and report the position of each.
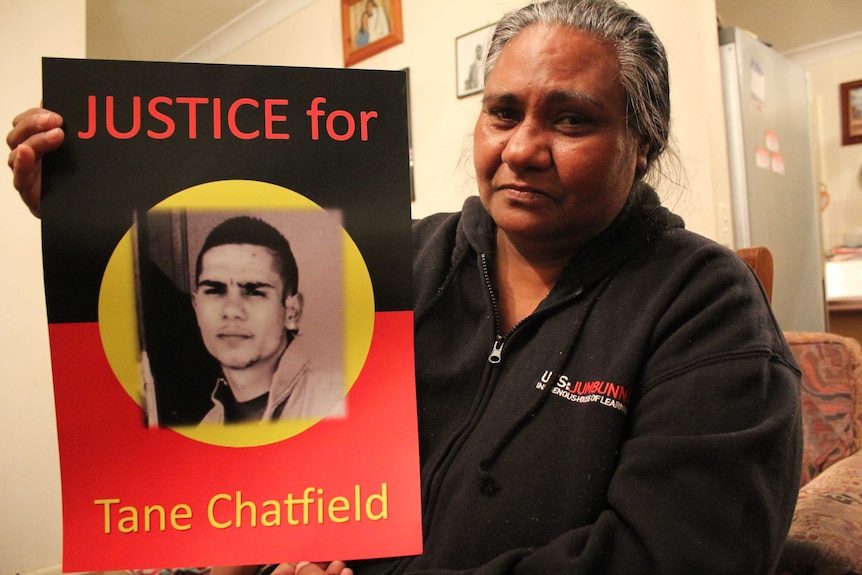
(142, 498)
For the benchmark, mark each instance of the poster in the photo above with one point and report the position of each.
(227, 270)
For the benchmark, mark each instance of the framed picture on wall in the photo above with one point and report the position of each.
(368, 27)
(470, 51)
(851, 113)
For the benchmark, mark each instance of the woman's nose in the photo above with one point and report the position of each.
(527, 147)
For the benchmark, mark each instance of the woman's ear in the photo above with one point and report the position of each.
(643, 154)
(642, 161)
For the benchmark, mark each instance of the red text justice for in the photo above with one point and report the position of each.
(265, 119)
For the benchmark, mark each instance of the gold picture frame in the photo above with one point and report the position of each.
(369, 27)
(851, 113)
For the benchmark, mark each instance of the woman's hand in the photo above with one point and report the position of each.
(306, 568)
(34, 133)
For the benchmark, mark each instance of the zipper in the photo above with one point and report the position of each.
(489, 285)
(496, 355)
(497, 351)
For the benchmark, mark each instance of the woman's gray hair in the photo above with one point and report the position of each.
(640, 53)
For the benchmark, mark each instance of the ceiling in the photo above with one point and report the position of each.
(155, 29)
(165, 29)
(791, 24)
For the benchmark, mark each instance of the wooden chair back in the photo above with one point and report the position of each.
(760, 260)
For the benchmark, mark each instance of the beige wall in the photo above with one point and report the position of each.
(29, 474)
(838, 167)
(442, 123)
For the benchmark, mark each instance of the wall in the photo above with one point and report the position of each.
(838, 167)
(442, 124)
(29, 476)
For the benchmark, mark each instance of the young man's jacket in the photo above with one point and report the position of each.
(644, 419)
(297, 390)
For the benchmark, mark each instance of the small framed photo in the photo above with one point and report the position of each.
(368, 27)
(851, 113)
(470, 52)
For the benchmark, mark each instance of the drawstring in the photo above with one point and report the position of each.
(488, 484)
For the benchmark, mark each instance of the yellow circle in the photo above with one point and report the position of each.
(118, 323)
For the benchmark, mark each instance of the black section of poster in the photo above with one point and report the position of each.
(92, 186)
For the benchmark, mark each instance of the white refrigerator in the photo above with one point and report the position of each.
(771, 171)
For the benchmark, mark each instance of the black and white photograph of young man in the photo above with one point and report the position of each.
(242, 316)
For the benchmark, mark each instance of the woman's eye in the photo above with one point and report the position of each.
(571, 120)
(505, 114)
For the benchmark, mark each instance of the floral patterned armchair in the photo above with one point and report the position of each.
(826, 534)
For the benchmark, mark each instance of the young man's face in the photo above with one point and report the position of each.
(239, 306)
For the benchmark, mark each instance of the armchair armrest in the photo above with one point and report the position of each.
(826, 535)
(831, 398)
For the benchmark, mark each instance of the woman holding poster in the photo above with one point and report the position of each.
(590, 400)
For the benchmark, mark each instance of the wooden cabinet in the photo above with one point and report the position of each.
(845, 318)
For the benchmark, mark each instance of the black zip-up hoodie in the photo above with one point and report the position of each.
(644, 419)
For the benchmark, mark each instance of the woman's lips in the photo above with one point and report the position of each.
(523, 192)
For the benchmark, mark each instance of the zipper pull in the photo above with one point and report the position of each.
(497, 353)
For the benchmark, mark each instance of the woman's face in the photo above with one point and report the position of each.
(554, 158)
